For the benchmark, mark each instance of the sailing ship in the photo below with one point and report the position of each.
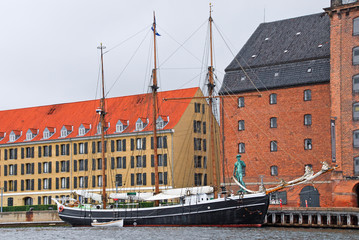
(197, 206)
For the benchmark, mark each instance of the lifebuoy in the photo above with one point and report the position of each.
(61, 208)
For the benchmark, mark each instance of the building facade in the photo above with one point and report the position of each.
(290, 99)
(50, 151)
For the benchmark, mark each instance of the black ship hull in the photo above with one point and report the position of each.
(248, 210)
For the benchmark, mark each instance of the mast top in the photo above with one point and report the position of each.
(210, 12)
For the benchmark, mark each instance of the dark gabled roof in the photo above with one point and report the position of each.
(291, 74)
(289, 46)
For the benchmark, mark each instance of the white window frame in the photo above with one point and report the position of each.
(99, 180)
(139, 144)
(45, 183)
(63, 182)
(46, 167)
(81, 182)
(81, 148)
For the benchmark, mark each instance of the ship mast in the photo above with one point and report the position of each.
(102, 121)
(154, 97)
(211, 86)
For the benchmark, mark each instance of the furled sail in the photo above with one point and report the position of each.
(132, 196)
(86, 194)
(180, 192)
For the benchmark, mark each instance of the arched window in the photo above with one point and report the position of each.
(356, 26)
(356, 56)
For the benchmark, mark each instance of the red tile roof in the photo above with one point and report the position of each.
(74, 114)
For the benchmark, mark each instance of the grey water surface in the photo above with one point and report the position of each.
(174, 233)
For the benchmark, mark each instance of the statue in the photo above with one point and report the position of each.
(238, 171)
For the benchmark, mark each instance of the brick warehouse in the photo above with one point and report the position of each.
(293, 100)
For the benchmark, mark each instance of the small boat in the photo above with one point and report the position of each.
(118, 223)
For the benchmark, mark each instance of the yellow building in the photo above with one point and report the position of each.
(49, 151)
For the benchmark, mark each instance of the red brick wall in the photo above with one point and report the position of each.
(341, 85)
(289, 134)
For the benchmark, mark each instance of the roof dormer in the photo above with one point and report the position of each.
(66, 130)
(141, 123)
(84, 128)
(162, 121)
(107, 125)
(48, 132)
(14, 135)
(31, 133)
(121, 125)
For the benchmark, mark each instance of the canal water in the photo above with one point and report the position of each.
(193, 233)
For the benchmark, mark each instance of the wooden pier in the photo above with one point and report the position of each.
(313, 217)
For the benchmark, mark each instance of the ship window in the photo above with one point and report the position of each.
(273, 146)
(307, 119)
(356, 26)
(356, 56)
(273, 98)
(273, 122)
(240, 125)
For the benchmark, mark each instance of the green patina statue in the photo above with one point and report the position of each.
(238, 171)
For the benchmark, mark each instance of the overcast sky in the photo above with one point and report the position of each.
(49, 55)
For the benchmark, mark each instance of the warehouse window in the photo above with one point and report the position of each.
(273, 146)
(241, 102)
(240, 125)
(356, 26)
(307, 95)
(307, 119)
(356, 84)
(308, 144)
(241, 148)
(356, 111)
(274, 171)
(273, 98)
(356, 56)
(273, 122)
(356, 138)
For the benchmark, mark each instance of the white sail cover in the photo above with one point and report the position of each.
(180, 192)
(125, 196)
(86, 194)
